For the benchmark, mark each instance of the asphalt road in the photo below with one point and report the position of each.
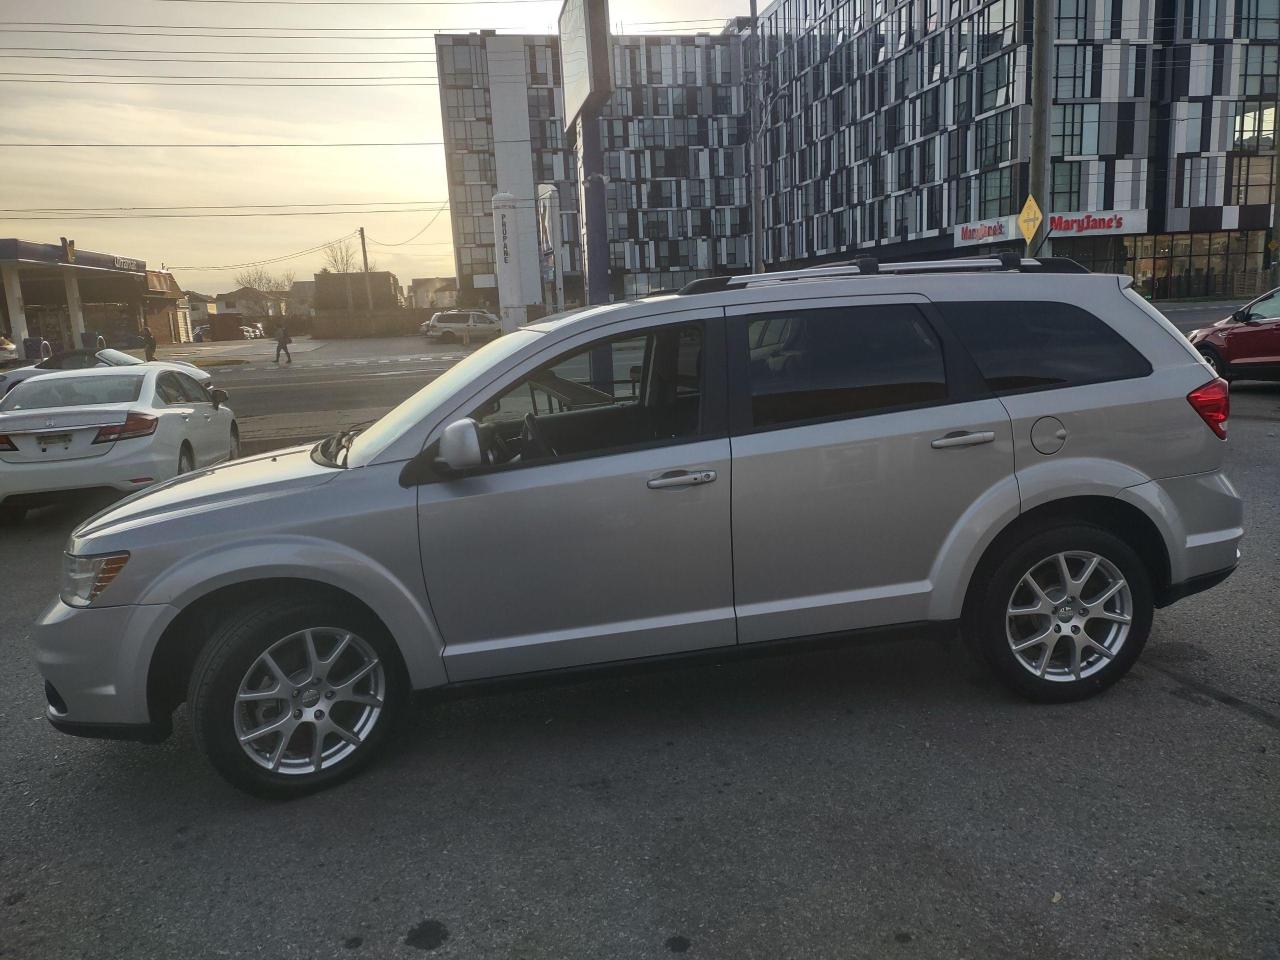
(881, 800)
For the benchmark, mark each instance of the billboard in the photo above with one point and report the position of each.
(584, 56)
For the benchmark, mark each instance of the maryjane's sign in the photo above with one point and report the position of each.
(1097, 223)
(984, 231)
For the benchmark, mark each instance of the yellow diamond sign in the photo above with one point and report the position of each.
(1030, 218)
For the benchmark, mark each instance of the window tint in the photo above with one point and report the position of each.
(1267, 308)
(615, 393)
(191, 389)
(841, 362)
(1036, 345)
(167, 389)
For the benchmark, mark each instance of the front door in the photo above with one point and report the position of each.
(859, 445)
(1256, 343)
(599, 530)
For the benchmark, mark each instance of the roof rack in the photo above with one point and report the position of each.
(869, 266)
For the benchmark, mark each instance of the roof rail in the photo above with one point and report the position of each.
(869, 266)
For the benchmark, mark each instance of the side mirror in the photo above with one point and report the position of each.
(219, 397)
(460, 446)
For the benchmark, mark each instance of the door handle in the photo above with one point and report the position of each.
(681, 478)
(964, 438)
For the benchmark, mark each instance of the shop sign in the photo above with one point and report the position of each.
(1097, 223)
(983, 231)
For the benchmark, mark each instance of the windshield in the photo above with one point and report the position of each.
(412, 411)
(40, 393)
(117, 358)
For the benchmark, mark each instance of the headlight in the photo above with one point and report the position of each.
(84, 578)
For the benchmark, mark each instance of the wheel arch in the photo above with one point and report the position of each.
(1125, 519)
(181, 641)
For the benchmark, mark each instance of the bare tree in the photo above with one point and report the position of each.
(264, 284)
(340, 257)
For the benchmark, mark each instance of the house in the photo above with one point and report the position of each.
(254, 304)
(166, 308)
(433, 293)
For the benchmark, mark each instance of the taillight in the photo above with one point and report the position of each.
(1213, 403)
(6, 443)
(135, 425)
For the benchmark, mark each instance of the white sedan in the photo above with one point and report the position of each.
(119, 428)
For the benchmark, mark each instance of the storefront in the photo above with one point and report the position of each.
(1165, 266)
(1169, 266)
(55, 294)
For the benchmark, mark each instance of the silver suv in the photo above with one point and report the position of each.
(1020, 450)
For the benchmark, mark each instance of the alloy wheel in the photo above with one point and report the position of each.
(1069, 616)
(310, 701)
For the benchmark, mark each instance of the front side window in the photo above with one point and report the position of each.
(615, 394)
(167, 389)
(1022, 345)
(192, 391)
(1267, 308)
(841, 362)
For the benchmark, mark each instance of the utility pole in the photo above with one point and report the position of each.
(755, 86)
(1042, 69)
(368, 287)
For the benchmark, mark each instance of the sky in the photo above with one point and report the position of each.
(45, 191)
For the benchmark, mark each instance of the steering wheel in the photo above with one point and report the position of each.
(497, 451)
(532, 437)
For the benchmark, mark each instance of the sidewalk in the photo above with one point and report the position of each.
(308, 352)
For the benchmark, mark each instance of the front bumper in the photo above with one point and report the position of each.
(96, 661)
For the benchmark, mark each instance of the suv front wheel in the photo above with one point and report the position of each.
(1064, 615)
(290, 696)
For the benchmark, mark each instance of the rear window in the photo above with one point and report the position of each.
(1039, 345)
(40, 393)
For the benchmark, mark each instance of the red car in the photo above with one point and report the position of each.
(1245, 345)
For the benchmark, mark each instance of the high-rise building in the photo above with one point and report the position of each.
(672, 134)
(903, 130)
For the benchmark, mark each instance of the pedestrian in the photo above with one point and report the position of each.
(282, 343)
(148, 342)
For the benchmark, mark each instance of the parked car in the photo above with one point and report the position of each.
(1030, 455)
(89, 359)
(1245, 345)
(118, 428)
(451, 326)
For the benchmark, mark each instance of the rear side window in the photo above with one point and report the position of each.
(1039, 345)
(841, 362)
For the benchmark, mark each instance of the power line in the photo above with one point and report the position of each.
(285, 146)
(287, 256)
(278, 53)
(198, 76)
(415, 236)
(206, 83)
(228, 206)
(421, 59)
(197, 216)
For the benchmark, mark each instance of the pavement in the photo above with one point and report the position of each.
(885, 799)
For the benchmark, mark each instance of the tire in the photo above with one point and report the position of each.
(448, 337)
(234, 452)
(186, 461)
(1106, 648)
(1214, 359)
(231, 665)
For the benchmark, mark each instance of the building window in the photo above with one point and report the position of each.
(996, 80)
(1071, 19)
(1258, 19)
(1250, 180)
(995, 139)
(1260, 69)
(1075, 129)
(1066, 186)
(1255, 128)
(995, 194)
(1071, 79)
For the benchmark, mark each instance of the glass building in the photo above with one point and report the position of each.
(903, 130)
(673, 137)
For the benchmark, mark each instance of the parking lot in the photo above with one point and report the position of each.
(882, 799)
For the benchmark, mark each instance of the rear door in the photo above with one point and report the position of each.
(861, 441)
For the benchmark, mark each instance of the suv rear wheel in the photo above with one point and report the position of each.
(1064, 615)
(293, 696)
